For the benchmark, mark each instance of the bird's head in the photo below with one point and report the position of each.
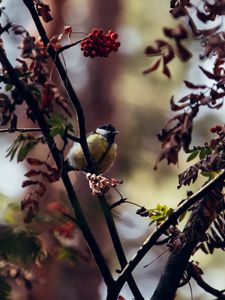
(108, 131)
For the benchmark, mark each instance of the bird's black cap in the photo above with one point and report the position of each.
(109, 131)
(108, 127)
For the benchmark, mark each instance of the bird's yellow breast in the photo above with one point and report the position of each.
(102, 153)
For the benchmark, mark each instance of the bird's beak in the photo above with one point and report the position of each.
(116, 132)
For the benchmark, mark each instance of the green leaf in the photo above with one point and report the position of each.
(211, 174)
(202, 153)
(160, 213)
(206, 174)
(208, 151)
(193, 155)
(10, 216)
(18, 246)
(5, 289)
(9, 87)
(12, 151)
(67, 253)
(57, 120)
(23, 144)
(59, 124)
(57, 130)
(25, 149)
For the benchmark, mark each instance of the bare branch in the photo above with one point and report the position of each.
(10, 130)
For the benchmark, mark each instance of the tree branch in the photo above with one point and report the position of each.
(118, 246)
(202, 216)
(10, 130)
(83, 141)
(172, 219)
(33, 105)
(60, 50)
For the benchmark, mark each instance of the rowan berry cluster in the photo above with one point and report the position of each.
(99, 43)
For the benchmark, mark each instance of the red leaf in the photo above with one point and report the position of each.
(175, 107)
(34, 161)
(153, 67)
(42, 185)
(50, 177)
(183, 53)
(26, 183)
(54, 206)
(206, 32)
(32, 173)
(209, 75)
(162, 43)
(150, 50)
(43, 11)
(177, 33)
(194, 29)
(167, 57)
(166, 70)
(190, 85)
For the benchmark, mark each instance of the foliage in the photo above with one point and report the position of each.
(5, 289)
(30, 85)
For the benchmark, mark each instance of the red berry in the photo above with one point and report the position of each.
(114, 48)
(86, 53)
(92, 54)
(91, 36)
(85, 47)
(218, 128)
(213, 129)
(94, 30)
(83, 43)
(213, 143)
(114, 36)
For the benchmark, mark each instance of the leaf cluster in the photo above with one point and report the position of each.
(22, 145)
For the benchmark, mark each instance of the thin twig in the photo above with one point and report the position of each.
(10, 130)
(118, 246)
(60, 50)
(72, 138)
(5, 28)
(149, 264)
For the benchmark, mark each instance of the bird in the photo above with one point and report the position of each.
(102, 147)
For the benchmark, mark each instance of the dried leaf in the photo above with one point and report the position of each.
(26, 183)
(209, 74)
(34, 161)
(183, 53)
(191, 85)
(153, 67)
(32, 173)
(44, 11)
(166, 70)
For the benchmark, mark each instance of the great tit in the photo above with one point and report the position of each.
(102, 149)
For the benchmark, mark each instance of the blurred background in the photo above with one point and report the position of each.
(114, 90)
